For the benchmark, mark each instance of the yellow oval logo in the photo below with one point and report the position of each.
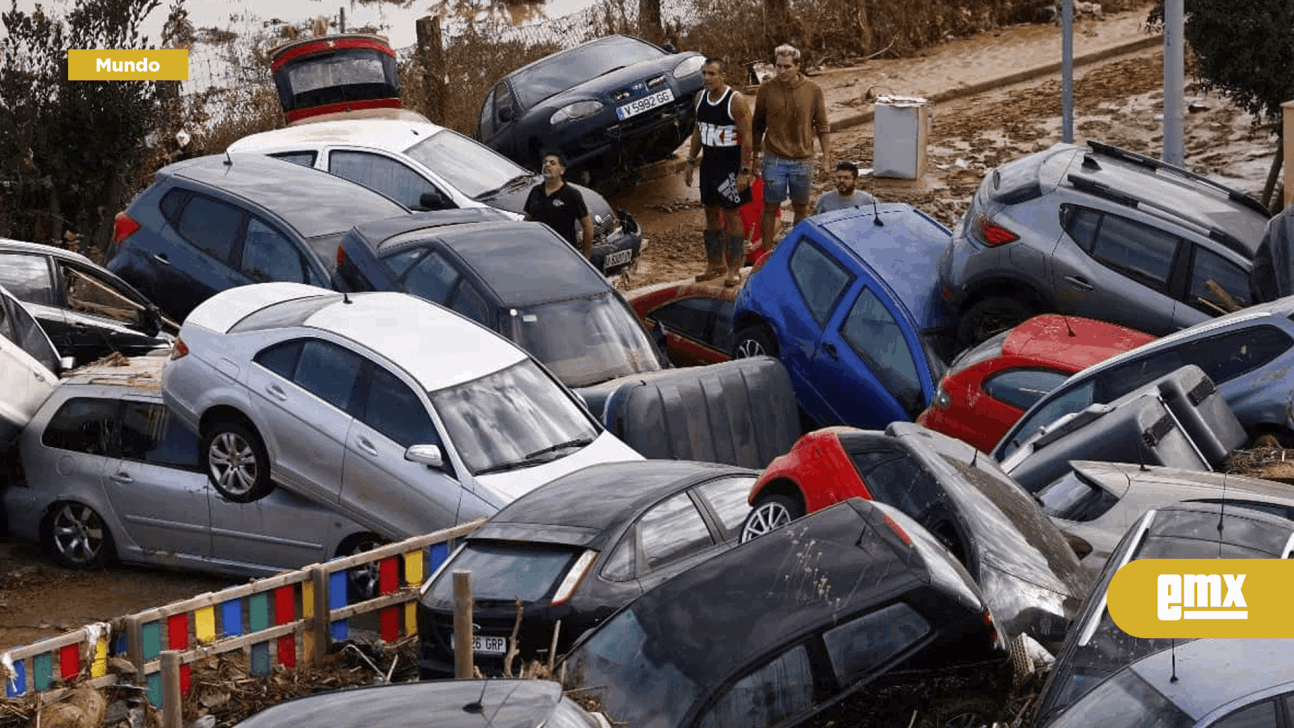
(1187, 598)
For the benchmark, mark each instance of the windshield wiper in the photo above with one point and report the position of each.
(514, 465)
(578, 442)
(514, 182)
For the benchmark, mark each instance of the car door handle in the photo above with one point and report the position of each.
(277, 392)
(121, 478)
(830, 348)
(161, 258)
(1079, 283)
(366, 446)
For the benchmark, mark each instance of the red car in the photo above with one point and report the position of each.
(989, 386)
(697, 319)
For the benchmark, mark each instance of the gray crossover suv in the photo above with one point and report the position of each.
(1100, 232)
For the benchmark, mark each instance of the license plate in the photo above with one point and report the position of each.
(636, 107)
(485, 645)
(620, 257)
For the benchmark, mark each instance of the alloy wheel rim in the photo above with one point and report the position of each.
(364, 579)
(765, 518)
(78, 533)
(233, 463)
(749, 348)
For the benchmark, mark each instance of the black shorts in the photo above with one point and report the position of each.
(719, 186)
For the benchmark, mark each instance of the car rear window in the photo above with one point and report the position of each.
(990, 348)
(1075, 498)
(1124, 700)
(284, 314)
(505, 571)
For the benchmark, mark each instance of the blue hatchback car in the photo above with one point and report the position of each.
(848, 302)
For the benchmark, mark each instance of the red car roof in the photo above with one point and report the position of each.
(1070, 343)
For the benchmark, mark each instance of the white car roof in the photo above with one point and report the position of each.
(434, 345)
(392, 135)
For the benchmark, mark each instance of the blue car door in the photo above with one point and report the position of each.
(868, 367)
(822, 282)
(201, 259)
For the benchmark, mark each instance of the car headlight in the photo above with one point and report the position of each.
(577, 110)
(689, 66)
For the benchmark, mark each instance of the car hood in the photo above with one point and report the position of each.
(513, 199)
(601, 87)
(511, 484)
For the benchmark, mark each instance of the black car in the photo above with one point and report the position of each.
(579, 548)
(1097, 649)
(842, 602)
(607, 103)
(444, 704)
(87, 311)
(211, 223)
(518, 278)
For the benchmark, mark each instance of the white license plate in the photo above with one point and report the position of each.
(620, 257)
(636, 107)
(485, 645)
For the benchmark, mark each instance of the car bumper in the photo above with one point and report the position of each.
(645, 136)
(621, 248)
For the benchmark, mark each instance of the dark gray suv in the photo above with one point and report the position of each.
(1101, 232)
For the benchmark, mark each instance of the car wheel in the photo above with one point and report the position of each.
(361, 581)
(770, 512)
(966, 712)
(754, 340)
(990, 316)
(77, 536)
(236, 461)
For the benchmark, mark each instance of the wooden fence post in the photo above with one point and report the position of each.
(431, 63)
(319, 619)
(462, 624)
(135, 647)
(172, 715)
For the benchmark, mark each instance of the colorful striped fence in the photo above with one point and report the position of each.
(282, 619)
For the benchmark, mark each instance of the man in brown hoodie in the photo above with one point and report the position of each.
(789, 110)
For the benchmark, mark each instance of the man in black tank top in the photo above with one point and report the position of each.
(722, 141)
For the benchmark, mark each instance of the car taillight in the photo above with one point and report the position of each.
(987, 618)
(341, 256)
(123, 227)
(179, 349)
(573, 577)
(903, 535)
(994, 234)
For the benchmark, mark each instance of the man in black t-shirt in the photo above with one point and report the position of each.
(560, 206)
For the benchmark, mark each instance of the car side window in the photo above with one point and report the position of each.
(171, 204)
(729, 499)
(1021, 388)
(896, 479)
(861, 645)
(29, 335)
(280, 359)
(1138, 251)
(388, 176)
(1258, 715)
(485, 122)
(469, 302)
(1081, 224)
(6, 323)
(27, 277)
(149, 434)
(877, 338)
(769, 696)
(689, 316)
(671, 530)
(394, 410)
(88, 292)
(304, 158)
(84, 425)
(433, 278)
(1073, 400)
(269, 256)
(211, 226)
(1210, 268)
(1118, 381)
(1230, 355)
(820, 279)
(723, 326)
(620, 564)
(329, 372)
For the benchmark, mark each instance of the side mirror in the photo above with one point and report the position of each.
(435, 200)
(506, 114)
(428, 455)
(670, 47)
(150, 320)
(65, 363)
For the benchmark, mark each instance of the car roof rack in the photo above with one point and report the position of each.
(1156, 164)
(1101, 189)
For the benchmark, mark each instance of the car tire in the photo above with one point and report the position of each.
(961, 712)
(754, 340)
(77, 536)
(236, 461)
(361, 581)
(990, 316)
(771, 512)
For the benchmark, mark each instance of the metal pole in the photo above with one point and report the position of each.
(462, 624)
(1174, 63)
(1067, 71)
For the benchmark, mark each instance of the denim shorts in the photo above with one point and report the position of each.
(781, 174)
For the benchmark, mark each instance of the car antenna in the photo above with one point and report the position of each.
(1222, 511)
(1068, 328)
(1172, 648)
(229, 161)
(477, 707)
(876, 213)
(345, 297)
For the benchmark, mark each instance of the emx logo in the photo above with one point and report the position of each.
(1202, 598)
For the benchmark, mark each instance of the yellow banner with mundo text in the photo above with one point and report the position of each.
(153, 64)
(1185, 598)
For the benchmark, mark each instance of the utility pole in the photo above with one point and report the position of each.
(1174, 63)
(1067, 71)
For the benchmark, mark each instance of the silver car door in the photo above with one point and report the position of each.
(280, 531)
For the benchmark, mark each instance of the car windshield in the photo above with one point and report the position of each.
(557, 73)
(637, 682)
(1124, 701)
(584, 341)
(989, 348)
(504, 571)
(470, 167)
(1075, 498)
(513, 418)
